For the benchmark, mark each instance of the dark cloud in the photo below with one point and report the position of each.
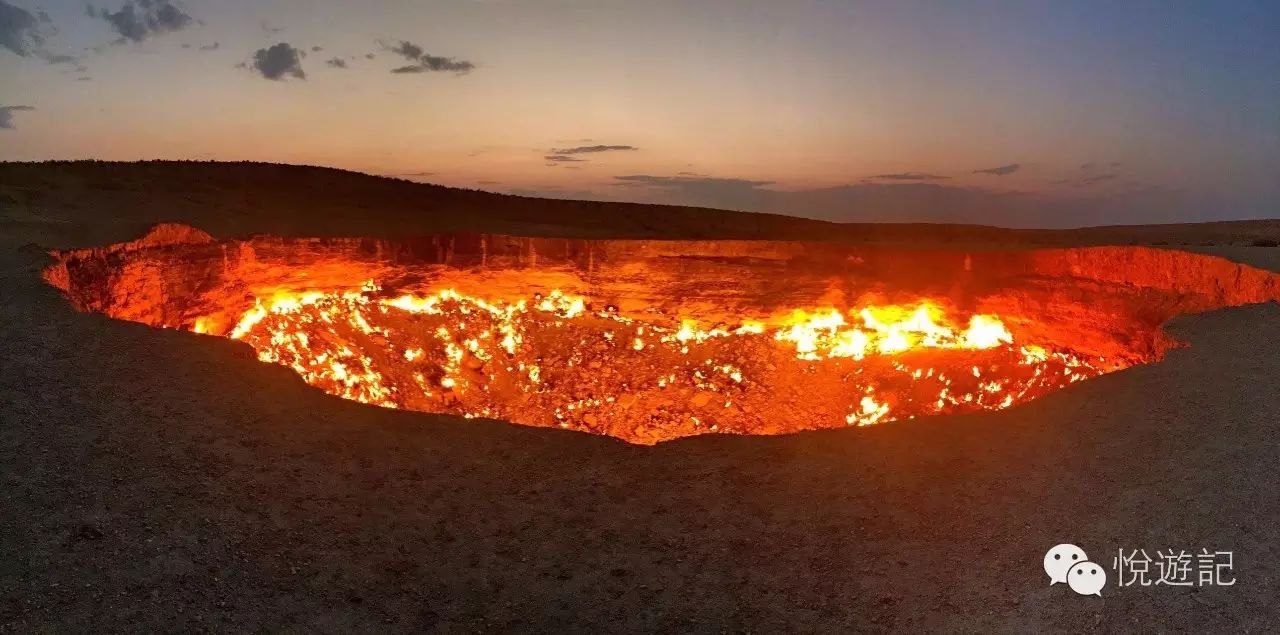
(592, 149)
(369, 56)
(24, 33)
(211, 47)
(336, 62)
(407, 50)
(316, 49)
(557, 156)
(431, 64)
(553, 159)
(20, 31)
(1002, 170)
(279, 61)
(423, 62)
(138, 20)
(907, 176)
(6, 115)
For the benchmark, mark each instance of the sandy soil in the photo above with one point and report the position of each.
(160, 480)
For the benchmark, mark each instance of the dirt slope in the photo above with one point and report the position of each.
(85, 203)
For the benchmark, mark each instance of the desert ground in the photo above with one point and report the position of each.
(157, 480)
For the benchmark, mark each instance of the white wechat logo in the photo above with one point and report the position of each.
(1087, 578)
(1068, 563)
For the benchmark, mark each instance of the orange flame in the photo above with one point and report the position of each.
(552, 360)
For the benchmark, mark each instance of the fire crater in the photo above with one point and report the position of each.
(650, 341)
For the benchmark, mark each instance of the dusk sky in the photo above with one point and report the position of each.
(1008, 113)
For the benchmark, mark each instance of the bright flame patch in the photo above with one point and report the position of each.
(553, 360)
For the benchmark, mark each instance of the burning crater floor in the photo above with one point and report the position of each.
(649, 341)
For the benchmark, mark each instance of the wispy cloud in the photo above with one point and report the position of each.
(1089, 179)
(1091, 173)
(555, 159)
(593, 149)
(1003, 170)
(423, 62)
(907, 176)
(6, 115)
(557, 156)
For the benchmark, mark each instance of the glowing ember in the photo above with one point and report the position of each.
(553, 360)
